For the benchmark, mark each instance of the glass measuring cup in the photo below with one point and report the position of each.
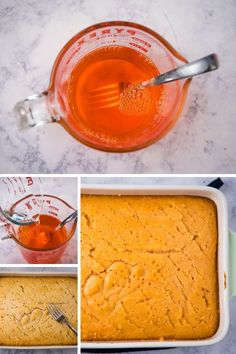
(53, 105)
(49, 205)
(14, 188)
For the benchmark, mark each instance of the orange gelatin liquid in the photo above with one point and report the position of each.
(96, 93)
(42, 235)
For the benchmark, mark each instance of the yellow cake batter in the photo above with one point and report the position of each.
(149, 268)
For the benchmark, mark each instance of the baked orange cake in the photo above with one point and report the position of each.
(149, 268)
(24, 318)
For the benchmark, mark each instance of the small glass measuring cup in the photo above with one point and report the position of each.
(52, 105)
(49, 205)
(14, 188)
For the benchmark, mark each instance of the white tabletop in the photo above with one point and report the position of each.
(62, 187)
(203, 141)
(228, 344)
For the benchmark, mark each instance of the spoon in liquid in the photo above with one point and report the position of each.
(69, 218)
(136, 99)
(66, 220)
(197, 67)
(46, 236)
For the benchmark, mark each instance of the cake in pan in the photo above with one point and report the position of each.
(24, 318)
(149, 268)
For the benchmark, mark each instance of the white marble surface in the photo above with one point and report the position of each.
(49, 351)
(62, 187)
(31, 34)
(228, 344)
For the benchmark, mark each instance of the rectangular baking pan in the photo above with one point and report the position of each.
(222, 261)
(38, 274)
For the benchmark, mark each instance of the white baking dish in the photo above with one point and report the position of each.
(224, 262)
(38, 274)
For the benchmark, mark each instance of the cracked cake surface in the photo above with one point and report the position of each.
(24, 318)
(149, 268)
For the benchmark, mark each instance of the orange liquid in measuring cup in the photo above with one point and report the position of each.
(95, 88)
(41, 235)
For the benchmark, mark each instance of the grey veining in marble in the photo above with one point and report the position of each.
(203, 141)
(62, 187)
(228, 344)
(39, 351)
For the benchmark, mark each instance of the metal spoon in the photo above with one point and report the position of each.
(17, 217)
(66, 220)
(197, 67)
(49, 234)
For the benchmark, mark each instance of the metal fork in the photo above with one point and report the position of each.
(59, 316)
(106, 96)
(110, 95)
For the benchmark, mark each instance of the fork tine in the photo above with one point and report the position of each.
(58, 313)
(105, 87)
(53, 309)
(104, 101)
(60, 317)
(56, 310)
(50, 310)
(104, 94)
(108, 105)
(49, 306)
(57, 316)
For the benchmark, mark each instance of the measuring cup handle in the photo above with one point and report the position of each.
(7, 237)
(4, 229)
(232, 263)
(34, 111)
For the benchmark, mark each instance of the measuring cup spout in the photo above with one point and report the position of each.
(34, 111)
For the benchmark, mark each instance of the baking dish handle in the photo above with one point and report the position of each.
(232, 265)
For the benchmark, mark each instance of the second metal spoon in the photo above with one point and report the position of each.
(66, 220)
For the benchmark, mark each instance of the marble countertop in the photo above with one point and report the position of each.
(228, 344)
(203, 141)
(62, 187)
(38, 351)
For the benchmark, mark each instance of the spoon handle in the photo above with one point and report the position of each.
(68, 219)
(197, 67)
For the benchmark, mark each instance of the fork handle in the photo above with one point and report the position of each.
(72, 328)
(197, 67)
